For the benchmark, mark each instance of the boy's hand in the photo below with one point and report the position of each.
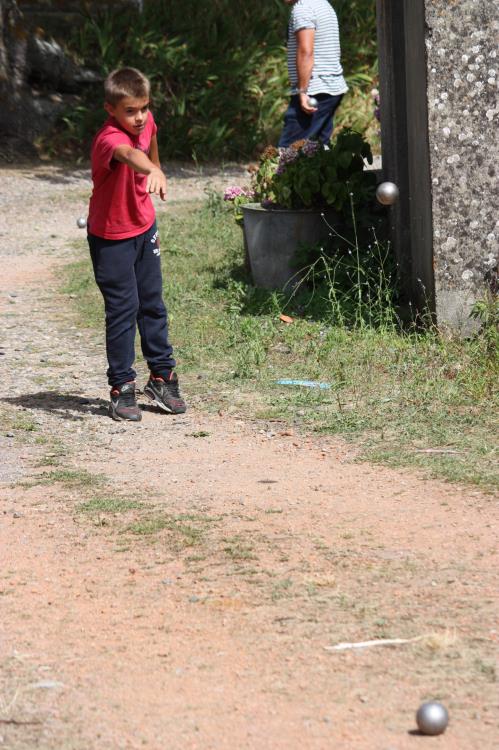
(140, 162)
(156, 183)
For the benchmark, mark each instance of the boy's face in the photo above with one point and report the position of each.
(130, 113)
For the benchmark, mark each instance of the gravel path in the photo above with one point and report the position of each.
(174, 584)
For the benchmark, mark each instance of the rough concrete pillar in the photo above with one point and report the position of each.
(462, 45)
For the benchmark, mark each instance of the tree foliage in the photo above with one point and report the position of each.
(218, 70)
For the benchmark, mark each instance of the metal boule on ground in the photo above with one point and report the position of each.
(432, 718)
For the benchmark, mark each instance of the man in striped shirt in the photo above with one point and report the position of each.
(314, 69)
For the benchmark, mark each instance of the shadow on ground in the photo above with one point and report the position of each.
(65, 405)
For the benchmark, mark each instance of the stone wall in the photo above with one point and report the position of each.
(462, 43)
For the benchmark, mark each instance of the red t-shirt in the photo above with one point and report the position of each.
(120, 206)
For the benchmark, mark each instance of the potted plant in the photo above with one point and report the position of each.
(299, 192)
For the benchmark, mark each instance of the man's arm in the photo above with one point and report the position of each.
(305, 39)
(138, 161)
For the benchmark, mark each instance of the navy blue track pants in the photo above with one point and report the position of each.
(128, 274)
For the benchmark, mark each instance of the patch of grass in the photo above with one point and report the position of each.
(79, 283)
(195, 558)
(109, 504)
(148, 526)
(237, 549)
(281, 589)
(23, 423)
(406, 398)
(487, 669)
(57, 452)
(70, 478)
(48, 461)
(185, 530)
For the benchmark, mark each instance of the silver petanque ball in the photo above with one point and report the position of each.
(312, 102)
(387, 193)
(81, 222)
(432, 718)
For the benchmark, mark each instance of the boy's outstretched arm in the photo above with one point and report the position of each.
(140, 162)
(154, 151)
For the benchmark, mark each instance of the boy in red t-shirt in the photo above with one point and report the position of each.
(124, 246)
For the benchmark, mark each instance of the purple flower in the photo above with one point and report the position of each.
(310, 148)
(286, 156)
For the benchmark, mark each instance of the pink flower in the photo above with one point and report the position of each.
(235, 191)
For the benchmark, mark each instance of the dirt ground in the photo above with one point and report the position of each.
(178, 584)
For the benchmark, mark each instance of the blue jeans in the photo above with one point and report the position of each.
(128, 274)
(317, 126)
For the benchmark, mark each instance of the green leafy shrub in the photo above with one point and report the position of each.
(311, 175)
(218, 72)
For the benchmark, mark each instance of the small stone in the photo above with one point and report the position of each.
(10, 435)
(16, 515)
(194, 599)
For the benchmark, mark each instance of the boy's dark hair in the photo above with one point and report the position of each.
(126, 82)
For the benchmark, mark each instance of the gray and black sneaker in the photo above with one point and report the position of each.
(165, 393)
(124, 404)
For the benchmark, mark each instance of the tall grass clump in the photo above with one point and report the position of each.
(218, 71)
(351, 279)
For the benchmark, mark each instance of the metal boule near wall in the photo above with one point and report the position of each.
(387, 193)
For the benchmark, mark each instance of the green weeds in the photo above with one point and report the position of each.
(79, 479)
(109, 504)
(184, 531)
(238, 550)
(19, 422)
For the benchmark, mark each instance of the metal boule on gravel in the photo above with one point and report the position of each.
(312, 102)
(81, 222)
(432, 718)
(387, 193)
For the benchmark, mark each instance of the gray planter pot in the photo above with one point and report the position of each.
(272, 238)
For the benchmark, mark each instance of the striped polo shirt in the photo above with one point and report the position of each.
(327, 73)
